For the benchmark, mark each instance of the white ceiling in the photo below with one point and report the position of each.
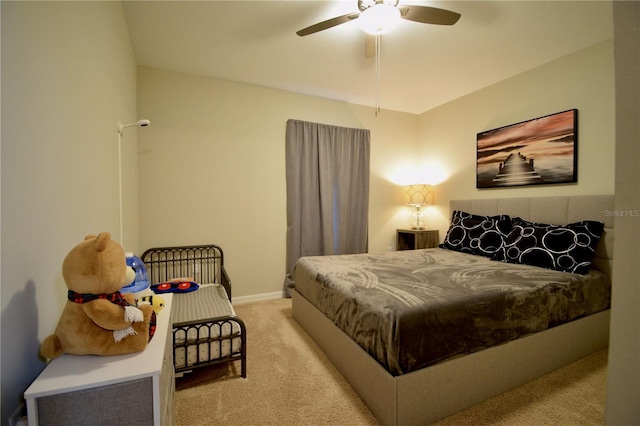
(422, 66)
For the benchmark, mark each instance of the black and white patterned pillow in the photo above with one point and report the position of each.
(567, 248)
(474, 234)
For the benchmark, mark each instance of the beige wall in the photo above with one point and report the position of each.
(212, 168)
(68, 76)
(583, 80)
(623, 381)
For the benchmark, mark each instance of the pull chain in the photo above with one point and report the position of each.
(378, 39)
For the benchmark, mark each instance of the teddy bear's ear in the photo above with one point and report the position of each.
(89, 237)
(102, 240)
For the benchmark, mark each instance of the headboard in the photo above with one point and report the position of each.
(203, 263)
(555, 210)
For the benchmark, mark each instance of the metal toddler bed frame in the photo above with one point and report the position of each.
(206, 330)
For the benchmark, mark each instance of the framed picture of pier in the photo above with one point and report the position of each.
(540, 151)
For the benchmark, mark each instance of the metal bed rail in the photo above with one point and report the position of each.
(207, 337)
(203, 263)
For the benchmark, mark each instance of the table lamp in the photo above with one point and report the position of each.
(418, 195)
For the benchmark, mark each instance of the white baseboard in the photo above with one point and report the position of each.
(237, 300)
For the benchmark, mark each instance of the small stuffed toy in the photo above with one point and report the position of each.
(97, 319)
(156, 302)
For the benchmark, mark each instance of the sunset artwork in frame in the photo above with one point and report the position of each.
(540, 151)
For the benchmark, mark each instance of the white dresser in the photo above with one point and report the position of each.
(134, 389)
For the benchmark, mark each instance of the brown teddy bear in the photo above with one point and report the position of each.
(97, 319)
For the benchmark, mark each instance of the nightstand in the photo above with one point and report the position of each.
(412, 239)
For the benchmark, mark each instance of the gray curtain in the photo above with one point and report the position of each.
(327, 191)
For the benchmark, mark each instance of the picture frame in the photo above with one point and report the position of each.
(539, 151)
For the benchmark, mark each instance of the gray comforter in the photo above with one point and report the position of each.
(411, 309)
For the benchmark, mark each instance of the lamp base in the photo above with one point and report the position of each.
(417, 220)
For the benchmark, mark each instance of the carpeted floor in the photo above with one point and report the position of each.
(291, 382)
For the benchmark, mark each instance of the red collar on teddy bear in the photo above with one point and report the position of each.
(116, 297)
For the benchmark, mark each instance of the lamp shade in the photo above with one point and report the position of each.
(418, 195)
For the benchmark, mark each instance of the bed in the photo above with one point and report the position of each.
(553, 317)
(206, 330)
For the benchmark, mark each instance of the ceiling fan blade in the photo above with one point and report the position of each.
(429, 15)
(327, 24)
(370, 46)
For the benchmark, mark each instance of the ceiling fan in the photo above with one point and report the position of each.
(380, 16)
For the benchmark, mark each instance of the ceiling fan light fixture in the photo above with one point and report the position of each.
(379, 19)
